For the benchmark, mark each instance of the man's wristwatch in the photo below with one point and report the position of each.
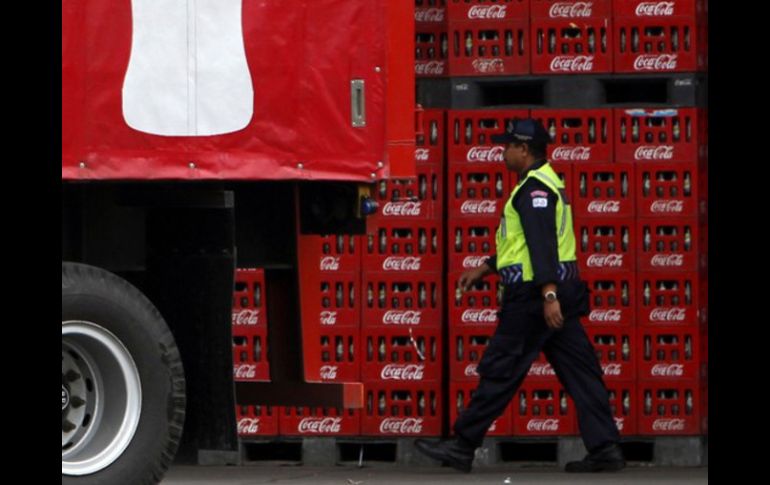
(550, 296)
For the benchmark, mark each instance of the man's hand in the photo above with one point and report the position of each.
(473, 276)
(552, 313)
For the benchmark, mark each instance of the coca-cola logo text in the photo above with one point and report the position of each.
(395, 317)
(668, 425)
(396, 372)
(472, 315)
(667, 206)
(421, 154)
(429, 15)
(541, 425)
(245, 371)
(402, 209)
(604, 206)
(248, 426)
(470, 370)
(604, 315)
(605, 261)
(320, 425)
(328, 372)
(612, 369)
(401, 426)
(328, 318)
(655, 9)
(619, 423)
(485, 154)
(487, 12)
(246, 317)
(646, 152)
(330, 263)
(570, 10)
(667, 370)
(572, 64)
(479, 207)
(570, 154)
(398, 263)
(651, 62)
(488, 65)
(668, 315)
(667, 260)
(541, 369)
(430, 68)
(473, 261)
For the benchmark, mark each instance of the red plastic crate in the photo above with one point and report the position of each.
(606, 245)
(616, 349)
(543, 409)
(657, 9)
(488, 47)
(669, 408)
(402, 355)
(340, 355)
(415, 199)
(613, 299)
(460, 394)
(430, 11)
(477, 191)
(401, 409)
(403, 246)
(561, 46)
(339, 301)
(565, 172)
(578, 135)
(666, 298)
(475, 307)
(604, 190)
(402, 299)
(469, 132)
(471, 241)
(624, 405)
(672, 244)
(431, 50)
(305, 421)
(429, 147)
(339, 253)
(576, 10)
(250, 358)
(669, 353)
(249, 300)
(670, 189)
(466, 346)
(256, 421)
(660, 44)
(482, 10)
(660, 135)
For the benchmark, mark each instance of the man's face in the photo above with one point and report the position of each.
(514, 156)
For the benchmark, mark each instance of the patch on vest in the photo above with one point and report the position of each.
(538, 193)
(540, 202)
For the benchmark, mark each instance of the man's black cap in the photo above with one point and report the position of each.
(526, 130)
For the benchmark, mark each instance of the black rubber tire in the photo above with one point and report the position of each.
(95, 295)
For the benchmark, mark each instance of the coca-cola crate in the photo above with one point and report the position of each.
(477, 190)
(576, 10)
(660, 44)
(398, 245)
(541, 371)
(488, 47)
(565, 172)
(249, 301)
(624, 405)
(616, 349)
(672, 244)
(476, 306)
(402, 355)
(612, 298)
(401, 409)
(402, 299)
(543, 409)
(660, 135)
(579, 135)
(471, 242)
(561, 46)
(669, 407)
(338, 298)
(670, 353)
(340, 355)
(430, 11)
(431, 50)
(658, 9)
(256, 421)
(481, 10)
(338, 253)
(667, 298)
(250, 358)
(429, 147)
(460, 394)
(670, 189)
(304, 421)
(466, 346)
(417, 198)
(469, 132)
(606, 245)
(604, 190)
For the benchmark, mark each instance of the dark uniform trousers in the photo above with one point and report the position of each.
(520, 336)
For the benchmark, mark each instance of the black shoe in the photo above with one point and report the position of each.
(607, 458)
(451, 452)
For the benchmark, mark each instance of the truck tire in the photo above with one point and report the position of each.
(123, 387)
